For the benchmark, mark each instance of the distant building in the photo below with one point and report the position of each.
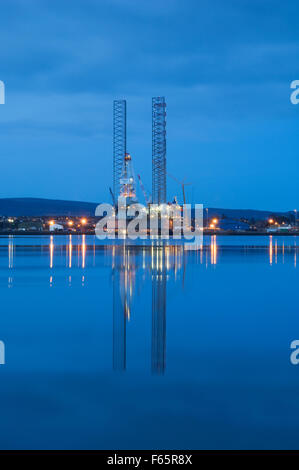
(234, 225)
(30, 225)
(56, 227)
(279, 228)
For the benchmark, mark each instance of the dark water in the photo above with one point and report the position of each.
(127, 348)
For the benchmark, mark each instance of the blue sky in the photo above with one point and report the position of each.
(225, 68)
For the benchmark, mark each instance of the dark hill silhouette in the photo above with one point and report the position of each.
(31, 207)
(28, 206)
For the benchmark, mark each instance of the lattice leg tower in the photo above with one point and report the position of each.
(159, 150)
(119, 142)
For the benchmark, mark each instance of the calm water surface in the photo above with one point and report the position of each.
(144, 347)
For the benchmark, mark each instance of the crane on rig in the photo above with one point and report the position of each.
(147, 198)
(183, 184)
(113, 197)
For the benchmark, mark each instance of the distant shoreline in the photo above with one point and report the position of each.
(208, 233)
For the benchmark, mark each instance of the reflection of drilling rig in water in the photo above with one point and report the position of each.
(123, 286)
(158, 311)
(157, 262)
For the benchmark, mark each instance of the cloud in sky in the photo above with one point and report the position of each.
(224, 67)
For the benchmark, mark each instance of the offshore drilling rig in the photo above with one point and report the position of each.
(124, 183)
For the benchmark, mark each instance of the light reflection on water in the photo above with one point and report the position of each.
(153, 263)
(276, 251)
